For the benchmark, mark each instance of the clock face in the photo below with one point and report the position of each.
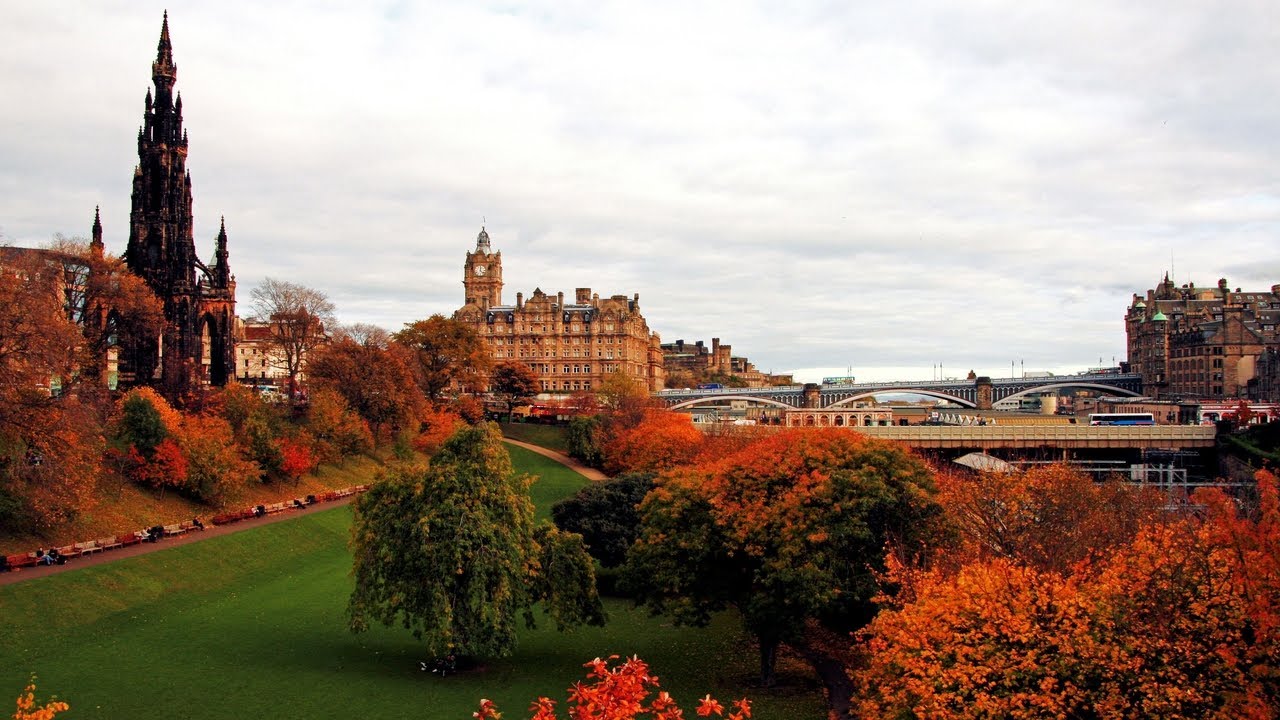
(481, 270)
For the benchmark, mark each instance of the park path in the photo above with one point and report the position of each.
(212, 531)
(572, 464)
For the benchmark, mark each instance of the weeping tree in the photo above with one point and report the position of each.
(449, 550)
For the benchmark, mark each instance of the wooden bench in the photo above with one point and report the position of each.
(127, 540)
(230, 517)
(69, 551)
(172, 530)
(21, 561)
(108, 543)
(88, 547)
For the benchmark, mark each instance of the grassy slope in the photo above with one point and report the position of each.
(553, 480)
(124, 507)
(547, 436)
(253, 625)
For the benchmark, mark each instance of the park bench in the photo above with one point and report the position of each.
(108, 543)
(69, 551)
(127, 540)
(21, 560)
(231, 517)
(175, 529)
(87, 547)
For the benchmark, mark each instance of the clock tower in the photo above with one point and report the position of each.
(482, 274)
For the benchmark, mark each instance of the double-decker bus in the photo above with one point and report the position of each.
(1122, 419)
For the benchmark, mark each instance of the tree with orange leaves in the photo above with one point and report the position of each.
(50, 440)
(790, 530)
(1050, 517)
(620, 692)
(296, 458)
(1181, 622)
(663, 439)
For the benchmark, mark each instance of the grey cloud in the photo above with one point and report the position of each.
(817, 184)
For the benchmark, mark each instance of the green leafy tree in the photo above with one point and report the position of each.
(606, 514)
(449, 550)
(141, 423)
(512, 382)
(791, 531)
(583, 439)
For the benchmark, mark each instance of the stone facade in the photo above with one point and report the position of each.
(1266, 386)
(1206, 343)
(855, 416)
(259, 360)
(700, 362)
(572, 345)
(197, 345)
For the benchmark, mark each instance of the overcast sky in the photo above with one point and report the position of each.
(882, 186)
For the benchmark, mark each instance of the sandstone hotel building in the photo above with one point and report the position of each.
(571, 344)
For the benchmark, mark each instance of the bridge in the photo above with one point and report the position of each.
(980, 393)
(1062, 437)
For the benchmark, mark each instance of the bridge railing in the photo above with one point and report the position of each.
(1115, 379)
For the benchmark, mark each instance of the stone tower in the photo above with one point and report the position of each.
(482, 274)
(196, 346)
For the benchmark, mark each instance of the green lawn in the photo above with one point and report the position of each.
(547, 436)
(554, 481)
(253, 625)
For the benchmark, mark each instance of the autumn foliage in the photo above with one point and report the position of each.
(296, 458)
(1178, 622)
(623, 691)
(29, 709)
(1050, 517)
(660, 441)
(196, 454)
(790, 531)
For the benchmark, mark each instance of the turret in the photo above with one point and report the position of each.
(221, 266)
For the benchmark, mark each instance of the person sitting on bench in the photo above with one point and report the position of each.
(56, 557)
(43, 558)
(195, 523)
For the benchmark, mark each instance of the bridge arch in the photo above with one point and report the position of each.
(913, 391)
(1039, 389)
(721, 398)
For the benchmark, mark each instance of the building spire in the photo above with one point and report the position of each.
(163, 71)
(164, 51)
(95, 245)
(482, 241)
(221, 265)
